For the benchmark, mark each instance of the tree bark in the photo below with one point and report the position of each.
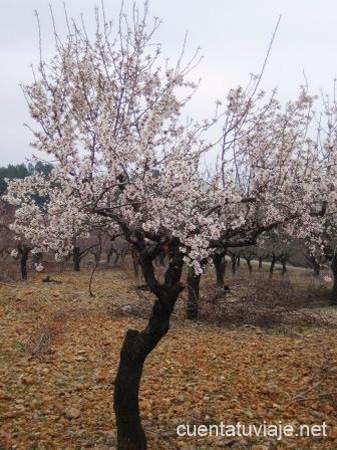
(220, 267)
(272, 265)
(233, 265)
(77, 259)
(284, 267)
(249, 264)
(193, 287)
(135, 263)
(260, 263)
(136, 347)
(24, 254)
(130, 433)
(138, 344)
(317, 270)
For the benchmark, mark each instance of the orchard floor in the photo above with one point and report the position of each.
(59, 352)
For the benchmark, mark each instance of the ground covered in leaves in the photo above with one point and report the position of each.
(59, 352)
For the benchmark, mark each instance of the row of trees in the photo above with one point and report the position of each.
(110, 114)
(103, 246)
(18, 248)
(273, 248)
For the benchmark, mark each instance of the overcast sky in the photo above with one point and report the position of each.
(233, 37)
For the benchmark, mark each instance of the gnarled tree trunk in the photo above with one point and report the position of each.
(138, 344)
(136, 347)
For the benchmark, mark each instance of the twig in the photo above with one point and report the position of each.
(317, 396)
(299, 397)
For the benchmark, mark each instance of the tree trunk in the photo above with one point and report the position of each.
(284, 267)
(249, 264)
(317, 270)
(272, 265)
(193, 286)
(316, 266)
(24, 253)
(136, 347)
(135, 263)
(260, 263)
(233, 265)
(219, 264)
(333, 294)
(239, 261)
(138, 344)
(126, 395)
(77, 259)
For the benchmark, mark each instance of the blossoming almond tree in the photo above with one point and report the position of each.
(6, 236)
(275, 162)
(109, 115)
(15, 245)
(282, 177)
(319, 239)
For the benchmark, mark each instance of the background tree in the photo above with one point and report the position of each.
(19, 171)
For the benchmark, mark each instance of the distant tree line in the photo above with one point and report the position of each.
(20, 171)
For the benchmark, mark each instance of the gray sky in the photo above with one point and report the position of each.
(233, 37)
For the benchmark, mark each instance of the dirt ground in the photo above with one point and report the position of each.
(59, 351)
